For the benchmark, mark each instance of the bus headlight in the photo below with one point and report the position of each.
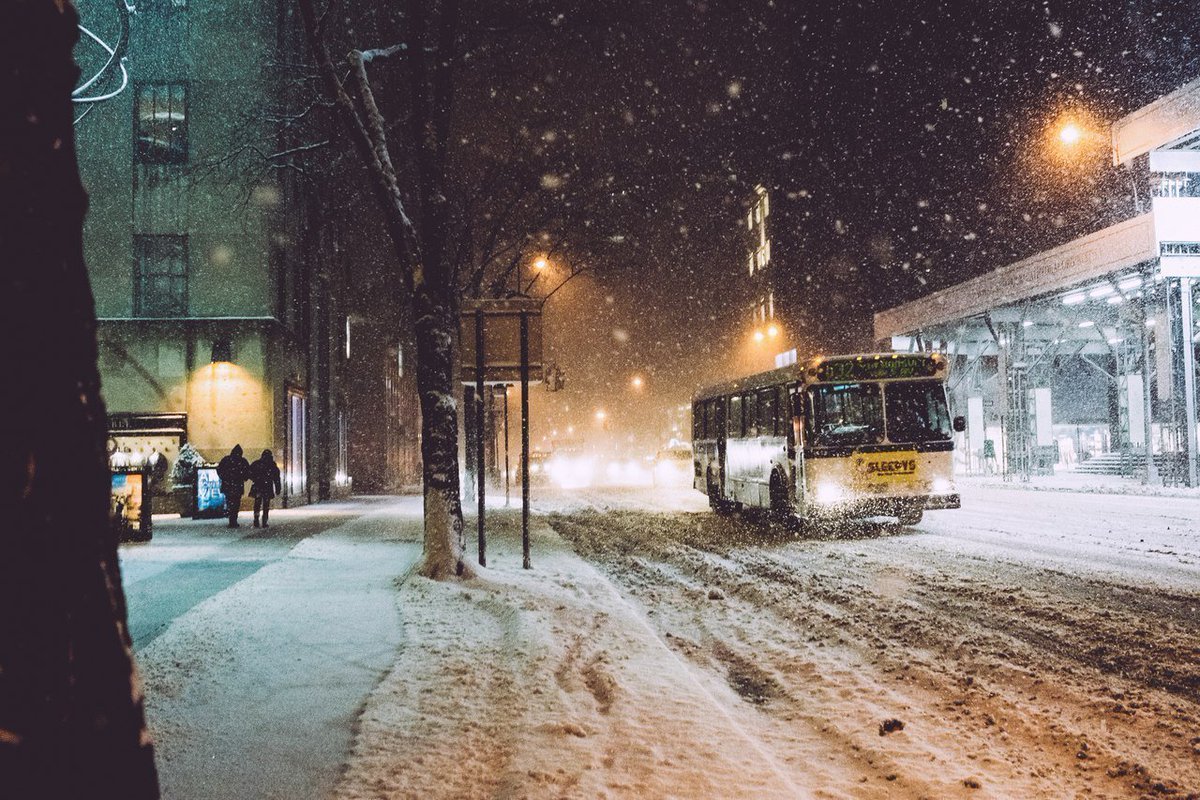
(942, 486)
(830, 492)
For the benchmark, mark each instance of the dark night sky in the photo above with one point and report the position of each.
(910, 136)
(906, 142)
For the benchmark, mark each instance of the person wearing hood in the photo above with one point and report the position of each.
(233, 470)
(264, 484)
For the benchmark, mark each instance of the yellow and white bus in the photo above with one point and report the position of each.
(833, 437)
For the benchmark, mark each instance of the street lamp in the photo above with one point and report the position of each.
(759, 336)
(772, 330)
(1070, 134)
(637, 382)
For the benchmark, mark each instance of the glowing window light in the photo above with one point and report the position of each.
(1074, 299)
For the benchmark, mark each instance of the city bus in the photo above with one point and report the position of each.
(834, 437)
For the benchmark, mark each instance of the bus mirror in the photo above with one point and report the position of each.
(960, 424)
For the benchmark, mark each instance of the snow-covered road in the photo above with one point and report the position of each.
(1033, 644)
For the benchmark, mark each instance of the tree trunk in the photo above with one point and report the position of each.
(444, 542)
(71, 721)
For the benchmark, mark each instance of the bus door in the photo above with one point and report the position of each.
(722, 416)
(795, 444)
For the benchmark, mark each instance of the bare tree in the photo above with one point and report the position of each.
(426, 280)
(71, 719)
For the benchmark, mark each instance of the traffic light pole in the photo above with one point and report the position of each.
(525, 439)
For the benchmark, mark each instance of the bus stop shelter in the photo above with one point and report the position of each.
(1087, 350)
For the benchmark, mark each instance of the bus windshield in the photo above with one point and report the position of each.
(916, 412)
(845, 414)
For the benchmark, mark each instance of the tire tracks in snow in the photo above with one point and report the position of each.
(1004, 662)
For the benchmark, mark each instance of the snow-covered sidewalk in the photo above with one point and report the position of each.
(254, 692)
(547, 683)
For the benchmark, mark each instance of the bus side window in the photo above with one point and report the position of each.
(697, 421)
(750, 409)
(766, 413)
(734, 422)
(710, 419)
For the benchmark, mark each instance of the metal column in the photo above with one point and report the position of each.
(1152, 478)
(1189, 374)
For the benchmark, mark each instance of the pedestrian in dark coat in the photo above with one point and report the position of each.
(233, 470)
(264, 484)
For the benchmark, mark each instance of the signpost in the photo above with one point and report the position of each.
(501, 343)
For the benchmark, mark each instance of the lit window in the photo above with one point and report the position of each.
(160, 123)
(347, 337)
(161, 276)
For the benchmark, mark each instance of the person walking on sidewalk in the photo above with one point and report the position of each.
(264, 484)
(233, 470)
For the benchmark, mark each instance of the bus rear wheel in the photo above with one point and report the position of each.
(718, 503)
(910, 516)
(781, 511)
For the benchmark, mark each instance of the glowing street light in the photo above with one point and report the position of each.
(759, 336)
(601, 415)
(637, 382)
(772, 330)
(540, 263)
(1070, 134)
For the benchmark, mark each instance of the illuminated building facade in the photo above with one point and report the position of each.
(769, 338)
(221, 291)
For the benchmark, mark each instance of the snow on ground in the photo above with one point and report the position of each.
(1031, 645)
(1068, 481)
(546, 683)
(1034, 645)
(253, 692)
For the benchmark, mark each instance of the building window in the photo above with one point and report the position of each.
(342, 474)
(160, 123)
(160, 286)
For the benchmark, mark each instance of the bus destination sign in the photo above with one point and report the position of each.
(878, 369)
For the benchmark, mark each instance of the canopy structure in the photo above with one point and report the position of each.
(1088, 349)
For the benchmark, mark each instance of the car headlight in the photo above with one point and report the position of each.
(830, 492)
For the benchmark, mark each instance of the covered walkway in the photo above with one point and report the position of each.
(1083, 357)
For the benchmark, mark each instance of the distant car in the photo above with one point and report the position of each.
(571, 469)
(673, 467)
(539, 467)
